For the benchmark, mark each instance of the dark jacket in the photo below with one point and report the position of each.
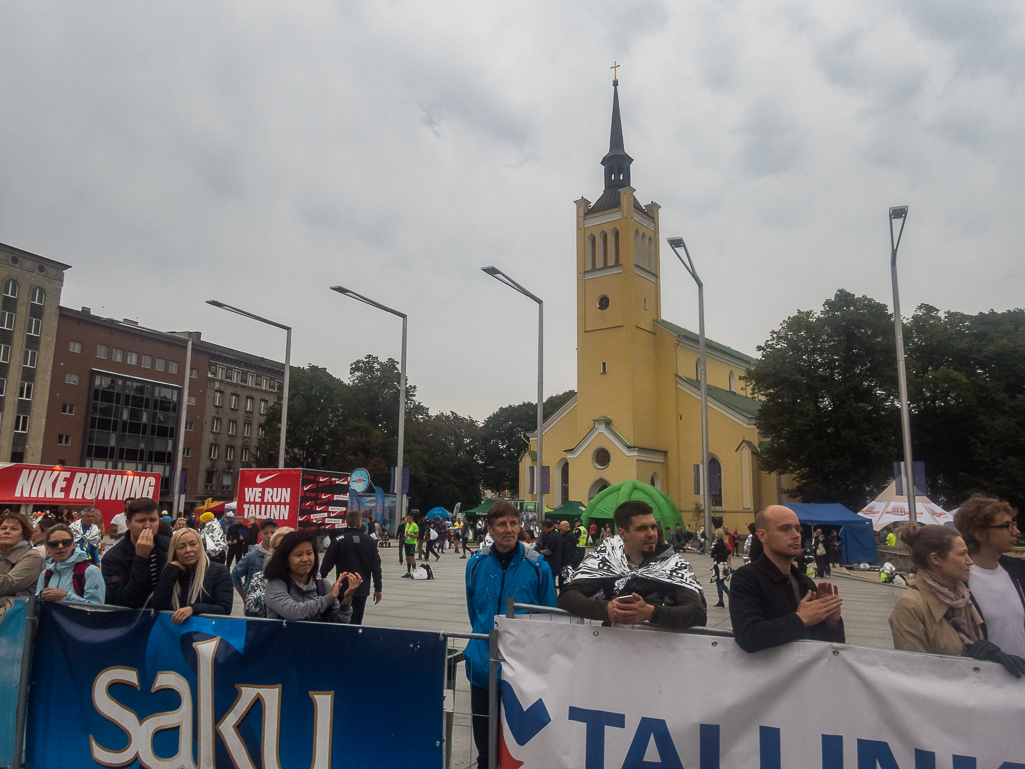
(354, 551)
(569, 549)
(676, 606)
(127, 576)
(763, 608)
(551, 541)
(216, 597)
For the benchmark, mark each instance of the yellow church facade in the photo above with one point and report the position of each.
(637, 411)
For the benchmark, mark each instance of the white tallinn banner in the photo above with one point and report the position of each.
(588, 697)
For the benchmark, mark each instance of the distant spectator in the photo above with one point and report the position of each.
(69, 575)
(20, 565)
(252, 563)
(214, 541)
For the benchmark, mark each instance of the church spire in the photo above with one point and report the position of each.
(616, 162)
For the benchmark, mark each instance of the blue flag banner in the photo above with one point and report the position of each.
(12, 645)
(129, 688)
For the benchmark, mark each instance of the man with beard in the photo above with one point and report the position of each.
(631, 579)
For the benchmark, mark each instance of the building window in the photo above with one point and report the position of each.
(218, 397)
(209, 480)
(192, 400)
(260, 431)
(213, 451)
(3, 387)
(186, 452)
(249, 403)
(251, 380)
(101, 351)
(73, 347)
(117, 355)
(21, 423)
(604, 368)
(229, 453)
(601, 458)
(247, 429)
(68, 408)
(236, 376)
(615, 247)
(220, 372)
(11, 289)
(590, 252)
(25, 391)
(29, 359)
(245, 454)
(603, 249)
(714, 483)
(35, 327)
(133, 358)
(38, 296)
(194, 373)
(226, 481)
(5, 354)
(188, 427)
(7, 320)
(215, 425)
(603, 302)
(71, 379)
(147, 361)
(733, 382)
(264, 383)
(63, 440)
(263, 406)
(233, 401)
(232, 427)
(563, 483)
(172, 367)
(160, 364)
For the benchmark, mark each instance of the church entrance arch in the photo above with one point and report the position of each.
(596, 488)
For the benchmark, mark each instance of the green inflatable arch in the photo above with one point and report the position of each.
(606, 502)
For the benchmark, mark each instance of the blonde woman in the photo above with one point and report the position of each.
(191, 583)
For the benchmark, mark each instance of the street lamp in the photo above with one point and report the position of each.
(688, 265)
(500, 276)
(288, 356)
(400, 474)
(901, 213)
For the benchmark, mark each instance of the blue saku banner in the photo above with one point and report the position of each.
(129, 688)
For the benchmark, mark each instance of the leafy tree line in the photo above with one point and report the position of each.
(341, 425)
(831, 408)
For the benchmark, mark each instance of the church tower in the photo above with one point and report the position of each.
(618, 299)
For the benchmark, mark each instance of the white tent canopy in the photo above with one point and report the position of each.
(889, 508)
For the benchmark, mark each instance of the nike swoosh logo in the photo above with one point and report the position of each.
(261, 479)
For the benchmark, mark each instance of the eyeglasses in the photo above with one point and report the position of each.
(1006, 525)
(57, 544)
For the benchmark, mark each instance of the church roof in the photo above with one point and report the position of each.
(616, 162)
(710, 344)
(735, 402)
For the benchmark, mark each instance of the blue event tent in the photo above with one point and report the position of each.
(439, 512)
(857, 539)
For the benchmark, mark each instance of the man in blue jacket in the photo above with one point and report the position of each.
(496, 572)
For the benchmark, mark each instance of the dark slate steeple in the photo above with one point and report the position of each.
(616, 162)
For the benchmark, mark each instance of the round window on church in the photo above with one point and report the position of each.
(601, 458)
(603, 302)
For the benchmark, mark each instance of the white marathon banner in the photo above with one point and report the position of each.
(590, 697)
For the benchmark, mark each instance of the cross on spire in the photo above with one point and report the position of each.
(615, 75)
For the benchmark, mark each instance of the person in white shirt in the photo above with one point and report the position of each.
(118, 527)
(997, 581)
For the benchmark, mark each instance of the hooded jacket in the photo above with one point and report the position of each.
(64, 575)
(249, 566)
(527, 579)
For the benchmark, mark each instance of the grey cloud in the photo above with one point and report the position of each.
(772, 142)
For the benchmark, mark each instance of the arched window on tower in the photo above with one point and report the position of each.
(638, 253)
(615, 247)
(590, 252)
(651, 254)
(603, 249)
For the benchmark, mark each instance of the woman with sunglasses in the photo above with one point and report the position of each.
(70, 575)
(20, 565)
(192, 583)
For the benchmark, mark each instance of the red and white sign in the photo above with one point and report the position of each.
(106, 490)
(294, 497)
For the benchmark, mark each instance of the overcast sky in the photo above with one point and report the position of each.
(259, 153)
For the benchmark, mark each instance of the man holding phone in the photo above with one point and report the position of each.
(772, 602)
(631, 579)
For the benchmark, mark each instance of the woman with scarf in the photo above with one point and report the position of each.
(937, 615)
(214, 541)
(20, 564)
(191, 583)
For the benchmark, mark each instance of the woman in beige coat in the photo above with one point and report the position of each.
(937, 615)
(20, 565)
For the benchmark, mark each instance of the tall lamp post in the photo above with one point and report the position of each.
(400, 495)
(500, 276)
(288, 356)
(178, 494)
(688, 265)
(901, 213)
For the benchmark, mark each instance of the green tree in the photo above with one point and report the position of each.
(315, 403)
(502, 441)
(444, 464)
(830, 410)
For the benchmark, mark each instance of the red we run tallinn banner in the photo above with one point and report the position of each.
(294, 497)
